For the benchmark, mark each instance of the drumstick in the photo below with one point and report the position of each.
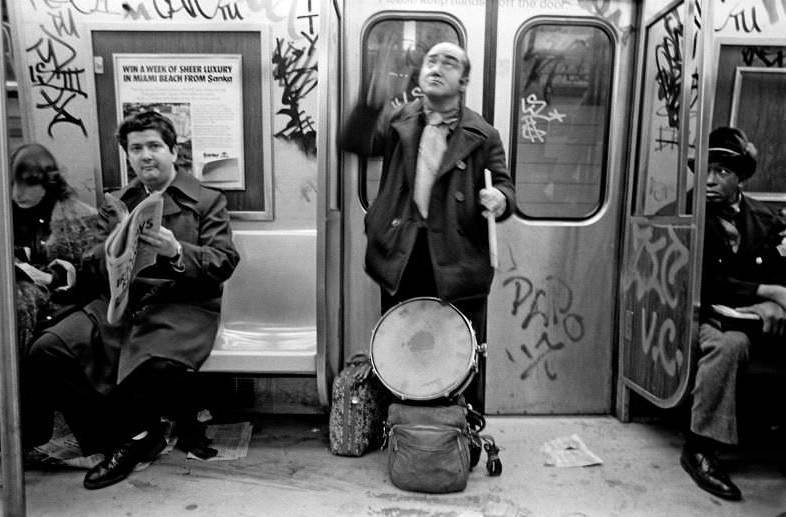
(492, 226)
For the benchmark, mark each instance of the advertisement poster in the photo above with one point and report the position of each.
(202, 94)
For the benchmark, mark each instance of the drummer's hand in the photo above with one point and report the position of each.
(384, 77)
(493, 201)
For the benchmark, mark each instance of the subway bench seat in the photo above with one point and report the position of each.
(268, 310)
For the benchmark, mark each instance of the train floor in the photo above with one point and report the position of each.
(290, 472)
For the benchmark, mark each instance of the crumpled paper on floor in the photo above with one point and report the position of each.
(230, 440)
(63, 451)
(569, 451)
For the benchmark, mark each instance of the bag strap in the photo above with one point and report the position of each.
(361, 365)
(493, 463)
(475, 419)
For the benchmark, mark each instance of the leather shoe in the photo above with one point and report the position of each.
(118, 464)
(705, 470)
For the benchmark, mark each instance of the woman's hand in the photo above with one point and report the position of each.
(36, 275)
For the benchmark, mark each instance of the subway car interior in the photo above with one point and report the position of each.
(604, 109)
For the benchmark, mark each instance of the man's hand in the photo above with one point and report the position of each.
(493, 201)
(772, 315)
(163, 241)
(773, 292)
(387, 81)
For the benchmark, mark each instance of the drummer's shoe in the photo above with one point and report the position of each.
(704, 467)
(119, 463)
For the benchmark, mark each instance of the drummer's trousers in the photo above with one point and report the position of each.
(418, 280)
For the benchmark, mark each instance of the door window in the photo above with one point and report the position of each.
(560, 114)
(410, 38)
(659, 146)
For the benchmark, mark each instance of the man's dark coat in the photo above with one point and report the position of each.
(171, 314)
(732, 279)
(457, 232)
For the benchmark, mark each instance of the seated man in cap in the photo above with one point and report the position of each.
(744, 268)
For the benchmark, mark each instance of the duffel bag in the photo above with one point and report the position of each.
(357, 410)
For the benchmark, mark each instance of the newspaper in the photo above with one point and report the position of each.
(65, 451)
(569, 451)
(126, 255)
(730, 312)
(230, 440)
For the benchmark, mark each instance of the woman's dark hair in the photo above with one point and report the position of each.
(143, 121)
(33, 164)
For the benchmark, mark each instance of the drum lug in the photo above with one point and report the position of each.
(483, 349)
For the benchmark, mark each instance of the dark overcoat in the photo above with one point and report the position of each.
(730, 278)
(171, 314)
(457, 232)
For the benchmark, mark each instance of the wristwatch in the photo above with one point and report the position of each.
(177, 261)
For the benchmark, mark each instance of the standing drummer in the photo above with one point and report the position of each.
(427, 232)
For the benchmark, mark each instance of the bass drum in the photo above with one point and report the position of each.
(424, 349)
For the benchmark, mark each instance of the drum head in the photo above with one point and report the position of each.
(423, 349)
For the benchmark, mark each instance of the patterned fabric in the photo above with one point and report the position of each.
(31, 301)
(357, 410)
(71, 230)
(728, 219)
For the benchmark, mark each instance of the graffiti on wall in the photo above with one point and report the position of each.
(770, 57)
(668, 61)
(57, 72)
(659, 263)
(295, 70)
(604, 9)
(549, 322)
(531, 112)
(741, 18)
(771, 8)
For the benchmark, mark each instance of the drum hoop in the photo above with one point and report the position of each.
(462, 382)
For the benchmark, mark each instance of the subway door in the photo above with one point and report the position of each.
(410, 29)
(562, 101)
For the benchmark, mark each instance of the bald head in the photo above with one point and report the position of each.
(447, 46)
(445, 72)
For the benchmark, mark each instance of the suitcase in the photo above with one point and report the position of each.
(357, 410)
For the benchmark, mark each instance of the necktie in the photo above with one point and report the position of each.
(727, 219)
(433, 143)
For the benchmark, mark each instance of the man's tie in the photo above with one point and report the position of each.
(433, 143)
(727, 219)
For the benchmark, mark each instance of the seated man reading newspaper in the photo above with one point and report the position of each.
(117, 366)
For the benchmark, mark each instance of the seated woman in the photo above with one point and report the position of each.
(52, 229)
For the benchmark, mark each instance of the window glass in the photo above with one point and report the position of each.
(659, 147)
(410, 39)
(561, 119)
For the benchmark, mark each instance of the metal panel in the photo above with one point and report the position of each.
(13, 503)
(660, 280)
(552, 307)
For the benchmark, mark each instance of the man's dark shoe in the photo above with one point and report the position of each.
(705, 470)
(118, 464)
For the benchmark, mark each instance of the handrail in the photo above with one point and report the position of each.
(10, 429)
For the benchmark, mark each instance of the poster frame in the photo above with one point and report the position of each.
(124, 95)
(265, 113)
